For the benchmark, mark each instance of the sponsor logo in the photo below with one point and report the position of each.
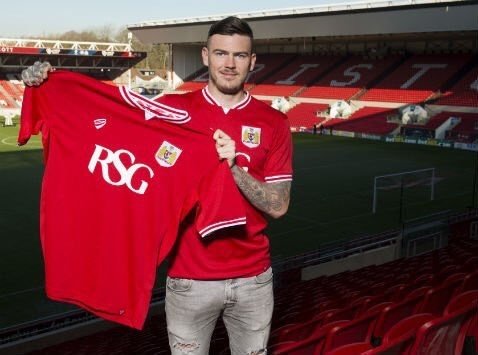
(53, 51)
(251, 136)
(115, 162)
(167, 154)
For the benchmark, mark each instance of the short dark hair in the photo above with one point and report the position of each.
(230, 26)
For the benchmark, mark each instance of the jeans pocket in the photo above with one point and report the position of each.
(179, 285)
(265, 277)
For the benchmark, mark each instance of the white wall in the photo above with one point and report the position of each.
(186, 60)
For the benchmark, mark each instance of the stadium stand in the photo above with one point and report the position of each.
(417, 78)
(306, 115)
(400, 78)
(466, 129)
(192, 85)
(464, 92)
(370, 310)
(428, 129)
(266, 66)
(11, 91)
(296, 75)
(349, 78)
(371, 120)
(391, 322)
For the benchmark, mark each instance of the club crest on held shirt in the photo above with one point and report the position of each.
(251, 136)
(167, 154)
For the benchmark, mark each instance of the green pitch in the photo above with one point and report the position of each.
(331, 200)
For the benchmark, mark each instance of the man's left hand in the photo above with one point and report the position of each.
(225, 146)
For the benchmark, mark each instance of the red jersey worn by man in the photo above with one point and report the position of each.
(264, 150)
(121, 171)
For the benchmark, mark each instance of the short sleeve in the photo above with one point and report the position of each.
(27, 118)
(278, 165)
(32, 118)
(220, 202)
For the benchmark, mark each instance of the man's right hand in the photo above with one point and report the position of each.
(35, 75)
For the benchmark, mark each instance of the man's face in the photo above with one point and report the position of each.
(229, 59)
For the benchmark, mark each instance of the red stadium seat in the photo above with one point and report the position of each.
(400, 338)
(398, 346)
(394, 313)
(458, 276)
(356, 331)
(464, 300)
(396, 86)
(417, 291)
(424, 279)
(462, 94)
(345, 313)
(379, 307)
(444, 335)
(460, 301)
(409, 324)
(437, 298)
(354, 348)
(277, 348)
(396, 292)
(470, 282)
(310, 346)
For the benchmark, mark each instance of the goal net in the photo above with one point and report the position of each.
(388, 188)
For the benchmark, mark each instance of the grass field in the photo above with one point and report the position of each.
(331, 200)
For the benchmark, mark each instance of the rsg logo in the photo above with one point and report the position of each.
(106, 158)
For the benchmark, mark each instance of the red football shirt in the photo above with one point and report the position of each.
(264, 149)
(121, 172)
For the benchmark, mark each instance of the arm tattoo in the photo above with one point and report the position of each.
(271, 198)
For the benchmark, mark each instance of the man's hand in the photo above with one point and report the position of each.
(270, 198)
(225, 146)
(35, 75)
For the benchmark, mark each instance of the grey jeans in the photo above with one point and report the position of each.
(193, 307)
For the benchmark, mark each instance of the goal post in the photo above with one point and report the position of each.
(403, 180)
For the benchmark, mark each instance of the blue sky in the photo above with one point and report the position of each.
(32, 18)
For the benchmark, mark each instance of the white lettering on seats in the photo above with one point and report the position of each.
(354, 74)
(291, 79)
(423, 69)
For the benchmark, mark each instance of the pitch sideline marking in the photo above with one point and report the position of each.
(7, 139)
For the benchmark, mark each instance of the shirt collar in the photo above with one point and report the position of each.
(240, 105)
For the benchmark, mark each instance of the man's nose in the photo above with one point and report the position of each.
(230, 61)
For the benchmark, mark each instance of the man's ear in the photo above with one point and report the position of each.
(205, 56)
(253, 62)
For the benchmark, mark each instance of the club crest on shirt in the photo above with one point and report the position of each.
(251, 136)
(167, 154)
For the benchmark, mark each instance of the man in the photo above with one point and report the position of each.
(228, 273)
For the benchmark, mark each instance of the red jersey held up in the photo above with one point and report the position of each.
(121, 172)
(264, 149)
